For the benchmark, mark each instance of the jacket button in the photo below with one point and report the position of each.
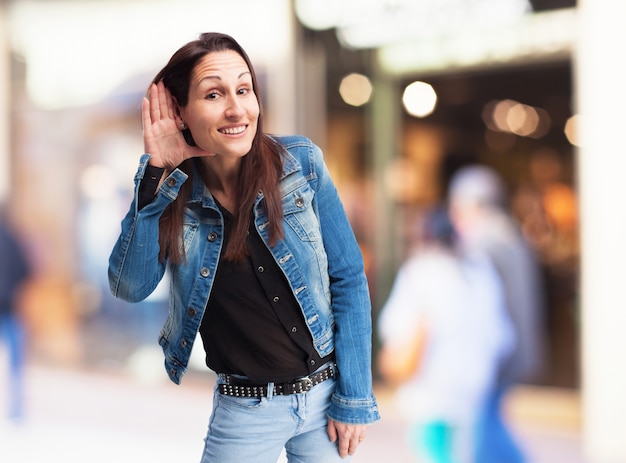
(191, 312)
(171, 182)
(276, 299)
(205, 272)
(183, 342)
(312, 362)
(294, 329)
(299, 202)
(261, 269)
(212, 236)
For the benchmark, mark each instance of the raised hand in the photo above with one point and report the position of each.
(162, 136)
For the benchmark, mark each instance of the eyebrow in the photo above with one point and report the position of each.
(217, 77)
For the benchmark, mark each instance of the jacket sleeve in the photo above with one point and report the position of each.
(353, 402)
(134, 267)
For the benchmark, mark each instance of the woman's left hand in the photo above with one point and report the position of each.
(348, 435)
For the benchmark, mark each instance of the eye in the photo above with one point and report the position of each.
(211, 95)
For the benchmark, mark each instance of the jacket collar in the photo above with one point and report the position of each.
(201, 194)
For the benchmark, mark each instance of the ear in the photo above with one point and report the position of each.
(177, 113)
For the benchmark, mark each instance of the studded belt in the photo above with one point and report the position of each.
(235, 387)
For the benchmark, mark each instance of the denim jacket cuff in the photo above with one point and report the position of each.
(168, 191)
(353, 411)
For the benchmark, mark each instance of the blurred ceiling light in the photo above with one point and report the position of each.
(319, 14)
(510, 116)
(571, 129)
(487, 115)
(530, 38)
(372, 23)
(522, 119)
(501, 113)
(355, 89)
(544, 124)
(419, 99)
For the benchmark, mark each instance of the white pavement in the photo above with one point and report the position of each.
(76, 416)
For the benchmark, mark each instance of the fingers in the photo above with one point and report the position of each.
(165, 102)
(161, 103)
(145, 114)
(351, 445)
(332, 431)
(155, 112)
(349, 436)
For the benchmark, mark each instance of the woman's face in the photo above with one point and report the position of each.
(222, 112)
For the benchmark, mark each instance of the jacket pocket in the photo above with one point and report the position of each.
(300, 214)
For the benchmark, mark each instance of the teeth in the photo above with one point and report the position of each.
(233, 130)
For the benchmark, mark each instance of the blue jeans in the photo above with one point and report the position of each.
(257, 429)
(12, 332)
(495, 443)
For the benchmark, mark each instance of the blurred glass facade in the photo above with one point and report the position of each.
(75, 138)
(503, 94)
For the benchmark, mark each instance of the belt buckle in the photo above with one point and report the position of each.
(302, 385)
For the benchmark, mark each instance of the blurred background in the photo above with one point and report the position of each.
(399, 94)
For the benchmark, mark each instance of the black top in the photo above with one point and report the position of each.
(253, 325)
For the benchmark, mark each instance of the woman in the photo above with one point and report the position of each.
(263, 264)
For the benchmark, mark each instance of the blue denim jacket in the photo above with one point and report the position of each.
(319, 255)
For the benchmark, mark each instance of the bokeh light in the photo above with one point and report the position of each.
(571, 129)
(355, 89)
(419, 99)
(318, 14)
(513, 117)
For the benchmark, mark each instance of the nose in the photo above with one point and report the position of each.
(234, 107)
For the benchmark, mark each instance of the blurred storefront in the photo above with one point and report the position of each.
(549, 62)
(502, 88)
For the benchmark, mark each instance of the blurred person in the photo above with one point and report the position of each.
(262, 260)
(444, 331)
(14, 272)
(477, 204)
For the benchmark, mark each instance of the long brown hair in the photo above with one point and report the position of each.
(260, 170)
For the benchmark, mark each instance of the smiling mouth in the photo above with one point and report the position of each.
(233, 130)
